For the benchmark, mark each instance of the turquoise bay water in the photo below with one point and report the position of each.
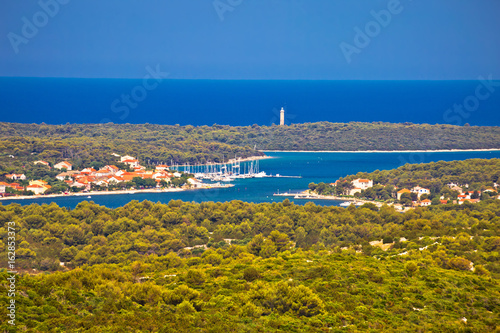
(313, 167)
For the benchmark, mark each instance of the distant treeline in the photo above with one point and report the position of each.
(258, 268)
(357, 136)
(477, 173)
(85, 143)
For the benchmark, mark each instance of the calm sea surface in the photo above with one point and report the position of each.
(241, 103)
(313, 167)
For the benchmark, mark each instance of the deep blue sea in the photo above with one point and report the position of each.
(205, 102)
(313, 167)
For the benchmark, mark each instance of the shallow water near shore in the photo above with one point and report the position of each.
(312, 167)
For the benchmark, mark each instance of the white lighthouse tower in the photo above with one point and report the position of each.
(282, 117)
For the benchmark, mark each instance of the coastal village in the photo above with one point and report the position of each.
(107, 177)
(132, 176)
(420, 193)
(416, 196)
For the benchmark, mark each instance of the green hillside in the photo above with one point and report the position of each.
(144, 268)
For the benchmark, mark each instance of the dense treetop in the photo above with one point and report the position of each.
(239, 266)
(213, 143)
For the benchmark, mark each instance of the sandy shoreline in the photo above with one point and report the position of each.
(87, 194)
(378, 151)
(251, 158)
(306, 195)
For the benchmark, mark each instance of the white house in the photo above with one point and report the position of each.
(64, 165)
(78, 184)
(463, 196)
(42, 163)
(194, 182)
(425, 202)
(115, 179)
(112, 168)
(119, 173)
(420, 190)
(102, 183)
(63, 175)
(456, 188)
(131, 162)
(2, 187)
(126, 157)
(103, 173)
(161, 175)
(89, 171)
(401, 192)
(37, 189)
(161, 167)
(354, 191)
(14, 176)
(362, 184)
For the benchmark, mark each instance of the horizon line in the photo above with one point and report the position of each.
(219, 79)
(406, 123)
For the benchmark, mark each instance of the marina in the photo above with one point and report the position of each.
(313, 167)
(228, 172)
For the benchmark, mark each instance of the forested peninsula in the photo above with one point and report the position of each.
(443, 180)
(82, 144)
(242, 267)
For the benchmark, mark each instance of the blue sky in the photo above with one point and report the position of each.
(251, 39)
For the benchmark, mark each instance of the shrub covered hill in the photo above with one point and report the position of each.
(82, 144)
(242, 267)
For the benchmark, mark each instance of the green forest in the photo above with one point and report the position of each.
(470, 175)
(243, 267)
(83, 144)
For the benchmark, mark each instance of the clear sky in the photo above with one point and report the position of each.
(251, 39)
